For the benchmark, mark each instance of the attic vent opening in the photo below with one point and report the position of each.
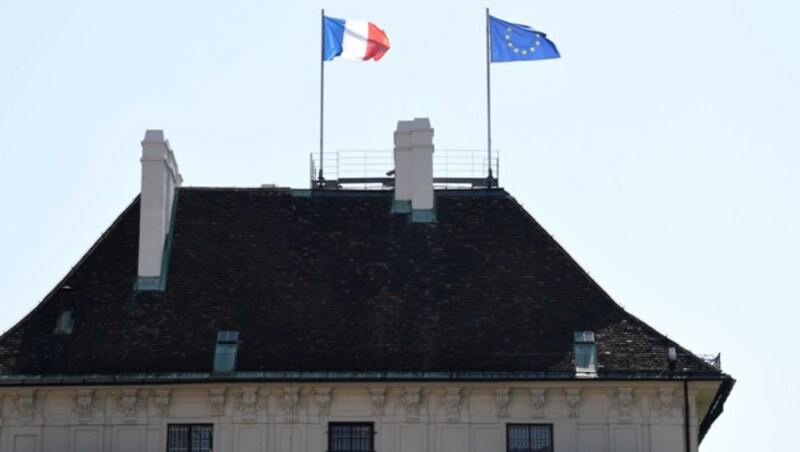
(65, 322)
(585, 354)
(226, 350)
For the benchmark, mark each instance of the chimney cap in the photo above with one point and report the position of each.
(416, 124)
(154, 136)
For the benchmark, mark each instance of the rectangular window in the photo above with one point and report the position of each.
(585, 353)
(350, 437)
(190, 438)
(225, 352)
(529, 438)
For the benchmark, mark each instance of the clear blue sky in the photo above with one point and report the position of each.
(661, 150)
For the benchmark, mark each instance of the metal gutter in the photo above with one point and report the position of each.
(686, 430)
(207, 377)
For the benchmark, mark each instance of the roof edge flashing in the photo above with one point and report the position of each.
(401, 206)
(423, 215)
(149, 283)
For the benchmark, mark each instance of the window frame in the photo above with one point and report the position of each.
(529, 428)
(191, 429)
(331, 438)
(585, 348)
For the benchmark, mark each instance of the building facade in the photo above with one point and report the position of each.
(399, 417)
(325, 319)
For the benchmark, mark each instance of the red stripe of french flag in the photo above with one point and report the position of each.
(363, 41)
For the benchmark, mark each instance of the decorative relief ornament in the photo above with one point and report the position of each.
(249, 406)
(84, 405)
(378, 397)
(665, 403)
(574, 402)
(324, 400)
(625, 404)
(216, 398)
(129, 405)
(25, 404)
(502, 397)
(452, 404)
(161, 399)
(290, 403)
(538, 401)
(411, 401)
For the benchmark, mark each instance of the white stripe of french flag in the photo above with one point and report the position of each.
(363, 40)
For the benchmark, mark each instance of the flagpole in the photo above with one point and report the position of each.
(321, 178)
(489, 179)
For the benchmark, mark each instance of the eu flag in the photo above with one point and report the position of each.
(516, 42)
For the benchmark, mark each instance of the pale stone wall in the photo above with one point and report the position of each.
(589, 416)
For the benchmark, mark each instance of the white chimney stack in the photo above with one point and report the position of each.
(160, 178)
(413, 164)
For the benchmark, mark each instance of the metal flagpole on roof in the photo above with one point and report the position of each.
(489, 179)
(321, 178)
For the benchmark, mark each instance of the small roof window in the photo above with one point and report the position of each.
(65, 322)
(226, 351)
(585, 354)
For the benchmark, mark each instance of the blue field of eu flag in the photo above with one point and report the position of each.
(516, 42)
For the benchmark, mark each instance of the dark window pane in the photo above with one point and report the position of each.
(350, 437)
(529, 438)
(190, 438)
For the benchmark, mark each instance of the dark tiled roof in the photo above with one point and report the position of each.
(335, 282)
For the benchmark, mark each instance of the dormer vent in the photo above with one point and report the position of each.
(66, 317)
(585, 354)
(226, 350)
(65, 322)
(672, 356)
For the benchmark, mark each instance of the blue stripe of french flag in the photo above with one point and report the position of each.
(353, 40)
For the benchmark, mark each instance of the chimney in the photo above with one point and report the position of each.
(413, 163)
(160, 178)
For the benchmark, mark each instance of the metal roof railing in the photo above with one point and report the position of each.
(374, 169)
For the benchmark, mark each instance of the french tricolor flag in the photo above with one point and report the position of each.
(352, 40)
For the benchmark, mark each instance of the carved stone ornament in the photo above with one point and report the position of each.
(574, 402)
(129, 405)
(411, 401)
(290, 403)
(324, 400)
(538, 401)
(502, 397)
(84, 405)
(249, 405)
(665, 403)
(378, 397)
(161, 399)
(452, 404)
(25, 404)
(216, 397)
(625, 404)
